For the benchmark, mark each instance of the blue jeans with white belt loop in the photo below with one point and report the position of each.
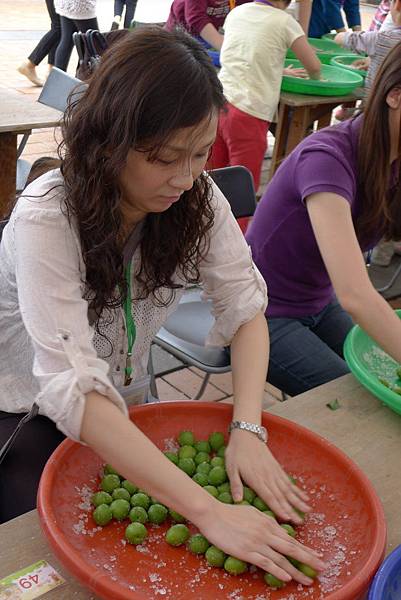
(352, 12)
(308, 351)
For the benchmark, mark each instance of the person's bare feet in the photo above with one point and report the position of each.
(29, 70)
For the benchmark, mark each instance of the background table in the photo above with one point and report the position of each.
(296, 114)
(362, 427)
(19, 114)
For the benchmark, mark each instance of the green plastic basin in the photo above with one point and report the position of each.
(340, 82)
(325, 50)
(329, 36)
(368, 361)
(345, 62)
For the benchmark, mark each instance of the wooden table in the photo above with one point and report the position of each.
(362, 427)
(19, 114)
(296, 114)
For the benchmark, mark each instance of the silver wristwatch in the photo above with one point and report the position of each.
(260, 431)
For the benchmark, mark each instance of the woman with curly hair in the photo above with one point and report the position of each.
(107, 244)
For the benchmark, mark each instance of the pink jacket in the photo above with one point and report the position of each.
(193, 15)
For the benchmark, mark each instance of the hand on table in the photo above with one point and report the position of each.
(248, 534)
(250, 460)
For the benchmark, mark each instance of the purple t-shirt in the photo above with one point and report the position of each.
(281, 237)
(193, 15)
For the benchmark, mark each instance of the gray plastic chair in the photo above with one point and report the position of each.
(58, 87)
(392, 279)
(184, 333)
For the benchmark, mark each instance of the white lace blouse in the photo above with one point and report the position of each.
(49, 352)
(76, 9)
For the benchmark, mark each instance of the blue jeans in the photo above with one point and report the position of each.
(352, 12)
(322, 16)
(334, 17)
(308, 351)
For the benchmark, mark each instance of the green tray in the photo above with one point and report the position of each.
(329, 36)
(325, 50)
(368, 362)
(345, 62)
(341, 82)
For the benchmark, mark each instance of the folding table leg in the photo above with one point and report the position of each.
(8, 169)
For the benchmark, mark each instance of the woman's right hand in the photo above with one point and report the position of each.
(295, 72)
(248, 534)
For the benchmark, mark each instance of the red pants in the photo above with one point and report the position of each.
(241, 140)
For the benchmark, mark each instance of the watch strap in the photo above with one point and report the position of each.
(258, 430)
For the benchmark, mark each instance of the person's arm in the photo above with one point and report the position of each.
(305, 10)
(331, 220)
(362, 42)
(55, 314)
(210, 34)
(239, 297)
(305, 53)
(340, 38)
(198, 22)
(241, 531)
(246, 456)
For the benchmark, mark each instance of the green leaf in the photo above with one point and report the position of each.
(333, 405)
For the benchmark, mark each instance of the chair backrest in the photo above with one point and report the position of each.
(236, 183)
(58, 87)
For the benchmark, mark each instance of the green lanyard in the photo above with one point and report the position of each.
(130, 326)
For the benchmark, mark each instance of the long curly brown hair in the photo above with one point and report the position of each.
(149, 85)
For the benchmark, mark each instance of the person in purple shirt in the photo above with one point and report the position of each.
(202, 18)
(333, 198)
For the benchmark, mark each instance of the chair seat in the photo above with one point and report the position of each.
(185, 331)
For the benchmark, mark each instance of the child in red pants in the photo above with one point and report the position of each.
(256, 38)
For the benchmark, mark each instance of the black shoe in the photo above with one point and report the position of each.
(114, 26)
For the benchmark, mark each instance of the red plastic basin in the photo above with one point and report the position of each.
(347, 522)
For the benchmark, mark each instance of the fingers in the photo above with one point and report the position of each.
(253, 537)
(267, 563)
(266, 477)
(276, 563)
(237, 489)
(299, 492)
(278, 503)
(283, 497)
(295, 498)
(288, 546)
(287, 486)
(280, 567)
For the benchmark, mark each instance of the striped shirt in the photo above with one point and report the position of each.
(380, 14)
(376, 44)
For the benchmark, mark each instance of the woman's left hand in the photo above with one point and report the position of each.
(249, 460)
